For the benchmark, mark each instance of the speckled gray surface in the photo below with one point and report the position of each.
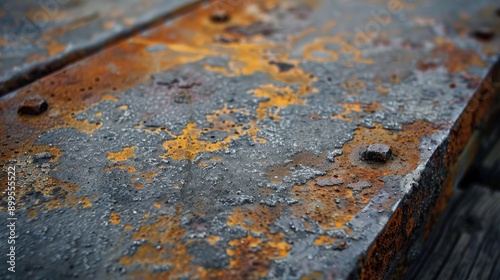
(208, 169)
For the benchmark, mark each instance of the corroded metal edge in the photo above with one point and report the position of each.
(430, 188)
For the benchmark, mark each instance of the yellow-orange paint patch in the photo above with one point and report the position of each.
(149, 176)
(109, 97)
(324, 240)
(213, 239)
(114, 218)
(187, 145)
(277, 98)
(127, 153)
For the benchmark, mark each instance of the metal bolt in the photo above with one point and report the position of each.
(377, 152)
(33, 105)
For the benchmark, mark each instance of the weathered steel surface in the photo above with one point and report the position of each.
(39, 36)
(230, 146)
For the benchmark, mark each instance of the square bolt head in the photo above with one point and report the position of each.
(377, 152)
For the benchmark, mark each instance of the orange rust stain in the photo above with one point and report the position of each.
(395, 79)
(128, 21)
(213, 239)
(128, 227)
(356, 107)
(313, 275)
(372, 107)
(456, 59)
(127, 153)
(382, 90)
(353, 85)
(324, 240)
(164, 246)
(276, 174)
(3, 42)
(157, 205)
(149, 176)
(333, 206)
(255, 218)
(56, 152)
(386, 245)
(187, 145)
(32, 213)
(318, 52)
(250, 256)
(249, 58)
(478, 107)
(109, 25)
(216, 159)
(85, 201)
(109, 97)
(84, 126)
(114, 218)
(69, 201)
(348, 109)
(224, 120)
(53, 47)
(129, 168)
(278, 97)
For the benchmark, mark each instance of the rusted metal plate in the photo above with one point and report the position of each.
(230, 144)
(39, 36)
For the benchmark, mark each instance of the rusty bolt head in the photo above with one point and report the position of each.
(33, 105)
(377, 152)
